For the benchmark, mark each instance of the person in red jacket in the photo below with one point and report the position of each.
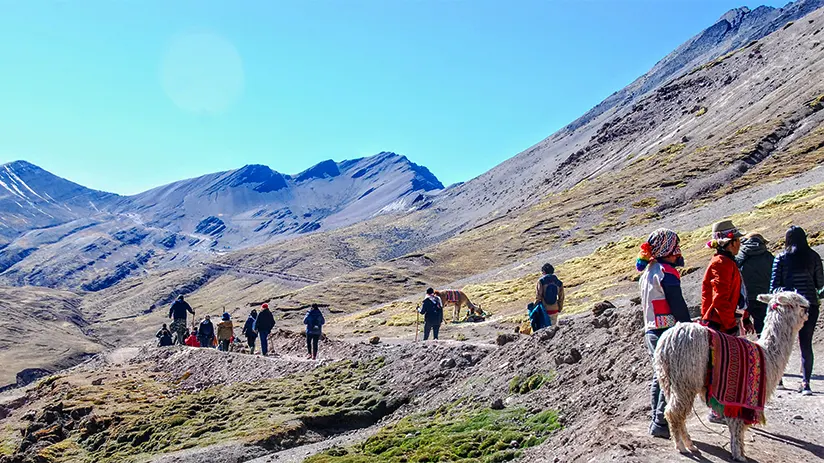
(192, 341)
(723, 295)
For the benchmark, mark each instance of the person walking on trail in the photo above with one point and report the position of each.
(549, 293)
(663, 305)
(799, 268)
(225, 332)
(432, 311)
(249, 331)
(177, 312)
(164, 337)
(314, 328)
(264, 324)
(755, 262)
(192, 341)
(206, 332)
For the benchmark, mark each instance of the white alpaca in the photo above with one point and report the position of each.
(681, 363)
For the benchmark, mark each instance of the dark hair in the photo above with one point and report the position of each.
(796, 246)
(548, 269)
(253, 313)
(179, 297)
(314, 306)
(430, 291)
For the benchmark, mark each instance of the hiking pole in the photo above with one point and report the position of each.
(417, 321)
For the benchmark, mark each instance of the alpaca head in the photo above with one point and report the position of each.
(787, 305)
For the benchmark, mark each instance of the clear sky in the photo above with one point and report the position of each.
(125, 95)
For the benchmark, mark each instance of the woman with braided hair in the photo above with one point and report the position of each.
(663, 305)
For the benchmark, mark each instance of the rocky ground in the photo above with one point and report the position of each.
(577, 392)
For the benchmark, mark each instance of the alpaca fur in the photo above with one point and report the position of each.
(462, 301)
(681, 364)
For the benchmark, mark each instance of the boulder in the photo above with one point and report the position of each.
(448, 363)
(497, 404)
(374, 340)
(601, 307)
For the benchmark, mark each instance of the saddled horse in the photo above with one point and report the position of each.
(458, 299)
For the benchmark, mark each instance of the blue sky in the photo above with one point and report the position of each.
(125, 95)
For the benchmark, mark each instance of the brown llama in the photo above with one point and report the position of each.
(458, 299)
(681, 363)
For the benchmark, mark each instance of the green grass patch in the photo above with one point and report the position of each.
(701, 111)
(786, 198)
(451, 433)
(525, 384)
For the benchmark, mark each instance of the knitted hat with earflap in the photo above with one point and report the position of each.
(661, 243)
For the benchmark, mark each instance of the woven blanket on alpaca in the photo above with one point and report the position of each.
(736, 385)
(450, 296)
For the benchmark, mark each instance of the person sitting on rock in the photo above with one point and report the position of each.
(225, 332)
(314, 328)
(192, 341)
(663, 305)
(432, 311)
(206, 332)
(164, 336)
(549, 293)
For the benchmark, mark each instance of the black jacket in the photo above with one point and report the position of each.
(755, 262)
(164, 337)
(178, 310)
(432, 312)
(206, 330)
(249, 327)
(805, 276)
(314, 321)
(265, 321)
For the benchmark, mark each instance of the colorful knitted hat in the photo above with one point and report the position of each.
(722, 233)
(661, 243)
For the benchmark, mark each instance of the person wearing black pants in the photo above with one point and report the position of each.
(432, 311)
(314, 328)
(799, 269)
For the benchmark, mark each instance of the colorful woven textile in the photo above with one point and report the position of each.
(736, 385)
(450, 296)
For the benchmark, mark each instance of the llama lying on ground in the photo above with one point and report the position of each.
(684, 350)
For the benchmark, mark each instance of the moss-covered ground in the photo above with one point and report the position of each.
(453, 433)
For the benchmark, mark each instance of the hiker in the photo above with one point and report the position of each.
(249, 331)
(177, 312)
(663, 305)
(164, 336)
(264, 323)
(225, 332)
(432, 311)
(549, 293)
(799, 268)
(538, 318)
(192, 341)
(206, 332)
(314, 327)
(723, 295)
(755, 262)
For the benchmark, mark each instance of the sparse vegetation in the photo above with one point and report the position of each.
(701, 111)
(451, 433)
(523, 385)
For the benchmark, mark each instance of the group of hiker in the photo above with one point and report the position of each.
(741, 269)
(258, 325)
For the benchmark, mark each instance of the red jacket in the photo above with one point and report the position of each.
(192, 341)
(720, 292)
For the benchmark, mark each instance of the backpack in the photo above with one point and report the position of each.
(551, 290)
(538, 317)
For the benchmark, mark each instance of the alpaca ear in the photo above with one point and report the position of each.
(765, 298)
(782, 298)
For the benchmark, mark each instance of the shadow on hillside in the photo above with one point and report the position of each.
(815, 449)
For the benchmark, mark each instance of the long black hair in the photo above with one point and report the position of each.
(796, 246)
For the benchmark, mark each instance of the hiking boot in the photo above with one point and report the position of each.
(805, 389)
(657, 430)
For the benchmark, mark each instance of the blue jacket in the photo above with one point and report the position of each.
(178, 310)
(314, 322)
(206, 330)
(249, 327)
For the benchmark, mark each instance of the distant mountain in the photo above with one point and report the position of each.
(31, 198)
(60, 234)
(253, 204)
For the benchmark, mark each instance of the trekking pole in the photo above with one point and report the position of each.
(417, 321)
